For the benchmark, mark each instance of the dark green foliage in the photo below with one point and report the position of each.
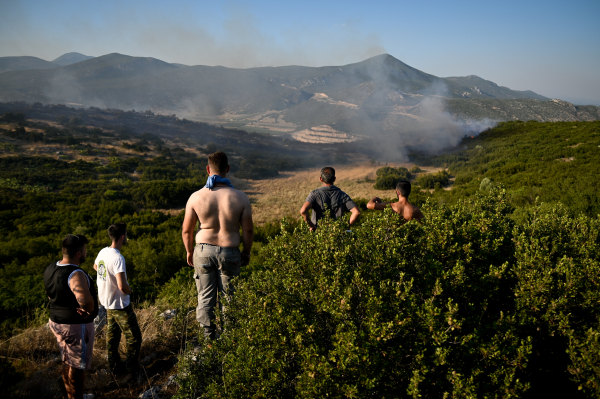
(13, 117)
(21, 134)
(558, 297)
(137, 147)
(388, 177)
(165, 194)
(408, 310)
(552, 161)
(431, 179)
(263, 166)
(392, 310)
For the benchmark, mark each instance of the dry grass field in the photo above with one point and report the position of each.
(281, 197)
(38, 357)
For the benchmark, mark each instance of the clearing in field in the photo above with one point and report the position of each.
(281, 197)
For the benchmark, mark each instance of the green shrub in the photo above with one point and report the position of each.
(391, 309)
(388, 177)
(558, 297)
(429, 180)
(463, 178)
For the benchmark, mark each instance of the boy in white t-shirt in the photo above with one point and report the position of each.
(113, 294)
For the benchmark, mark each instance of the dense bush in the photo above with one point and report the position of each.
(388, 177)
(467, 305)
(552, 161)
(430, 180)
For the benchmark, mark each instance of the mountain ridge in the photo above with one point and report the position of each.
(70, 58)
(379, 94)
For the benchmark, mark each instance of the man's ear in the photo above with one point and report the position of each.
(228, 167)
(208, 169)
(320, 178)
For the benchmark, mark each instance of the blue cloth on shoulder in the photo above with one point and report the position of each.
(214, 179)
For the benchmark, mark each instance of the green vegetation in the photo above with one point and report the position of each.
(469, 304)
(547, 162)
(496, 294)
(434, 180)
(388, 177)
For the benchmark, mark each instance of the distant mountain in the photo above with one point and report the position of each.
(24, 63)
(70, 58)
(474, 87)
(380, 94)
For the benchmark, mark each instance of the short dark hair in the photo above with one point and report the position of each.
(72, 244)
(218, 162)
(403, 186)
(115, 231)
(328, 175)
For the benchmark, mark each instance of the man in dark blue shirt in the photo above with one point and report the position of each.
(330, 196)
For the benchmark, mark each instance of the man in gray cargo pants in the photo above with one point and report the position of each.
(216, 258)
(214, 269)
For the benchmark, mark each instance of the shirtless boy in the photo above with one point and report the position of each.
(402, 207)
(216, 259)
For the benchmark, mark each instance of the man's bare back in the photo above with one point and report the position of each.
(220, 211)
(402, 207)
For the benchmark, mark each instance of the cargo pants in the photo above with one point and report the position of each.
(123, 320)
(214, 268)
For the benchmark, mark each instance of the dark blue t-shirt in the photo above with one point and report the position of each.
(335, 199)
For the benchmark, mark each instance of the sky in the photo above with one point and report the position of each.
(550, 47)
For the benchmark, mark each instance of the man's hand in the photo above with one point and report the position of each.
(190, 259)
(304, 212)
(82, 312)
(245, 259)
(376, 203)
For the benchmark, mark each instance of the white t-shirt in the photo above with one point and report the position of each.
(110, 262)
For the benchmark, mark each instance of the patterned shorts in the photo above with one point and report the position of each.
(76, 343)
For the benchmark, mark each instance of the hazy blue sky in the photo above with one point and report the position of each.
(550, 47)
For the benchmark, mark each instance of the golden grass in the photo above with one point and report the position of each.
(35, 353)
(281, 197)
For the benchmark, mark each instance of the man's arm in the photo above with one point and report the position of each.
(95, 267)
(377, 204)
(79, 286)
(355, 213)
(187, 233)
(122, 283)
(304, 212)
(247, 233)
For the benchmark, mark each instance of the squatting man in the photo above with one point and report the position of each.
(220, 210)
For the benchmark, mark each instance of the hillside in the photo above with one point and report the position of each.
(377, 97)
(535, 162)
(431, 285)
(475, 87)
(24, 63)
(70, 58)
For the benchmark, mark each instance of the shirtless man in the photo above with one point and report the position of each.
(216, 259)
(402, 207)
